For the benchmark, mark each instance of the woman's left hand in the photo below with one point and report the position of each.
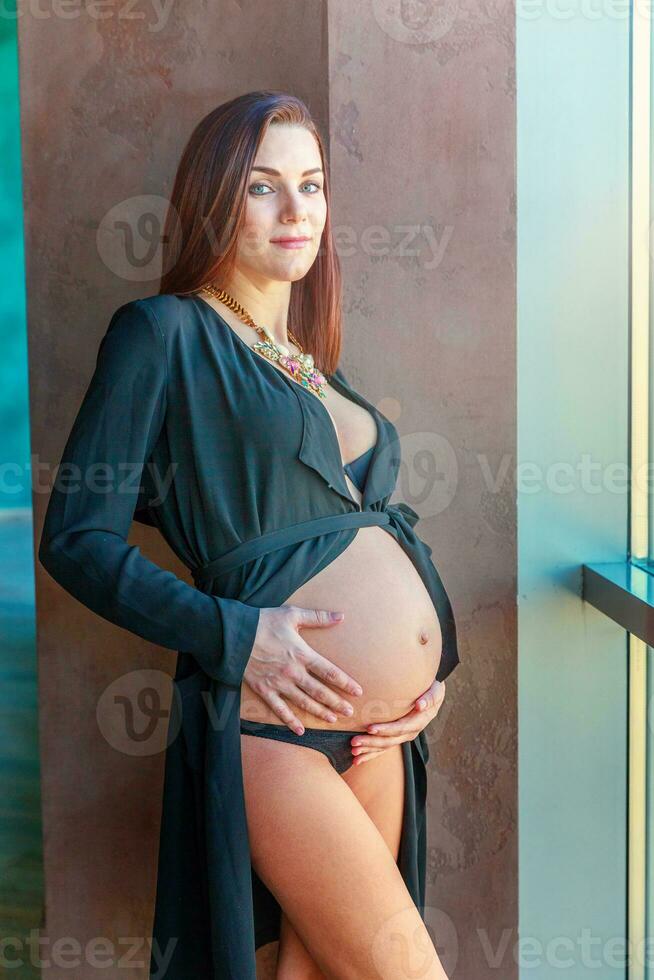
(384, 734)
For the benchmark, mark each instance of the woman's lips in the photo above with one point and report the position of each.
(293, 242)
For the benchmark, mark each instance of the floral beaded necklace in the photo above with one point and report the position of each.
(299, 366)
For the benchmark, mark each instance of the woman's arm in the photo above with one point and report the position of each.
(83, 544)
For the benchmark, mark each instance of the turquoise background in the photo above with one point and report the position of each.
(14, 406)
(572, 291)
(21, 862)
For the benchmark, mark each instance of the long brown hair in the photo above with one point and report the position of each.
(206, 213)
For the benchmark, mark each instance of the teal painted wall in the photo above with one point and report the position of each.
(21, 859)
(14, 406)
(572, 286)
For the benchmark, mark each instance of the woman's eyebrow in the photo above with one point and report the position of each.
(276, 173)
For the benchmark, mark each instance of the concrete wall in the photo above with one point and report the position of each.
(418, 112)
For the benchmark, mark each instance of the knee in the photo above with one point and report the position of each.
(294, 961)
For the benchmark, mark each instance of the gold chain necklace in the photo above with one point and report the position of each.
(299, 366)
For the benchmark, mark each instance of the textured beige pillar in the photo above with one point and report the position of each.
(422, 123)
(418, 117)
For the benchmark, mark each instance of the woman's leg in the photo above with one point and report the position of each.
(316, 847)
(379, 787)
(294, 961)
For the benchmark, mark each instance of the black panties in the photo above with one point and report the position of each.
(332, 742)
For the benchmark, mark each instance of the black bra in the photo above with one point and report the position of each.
(358, 468)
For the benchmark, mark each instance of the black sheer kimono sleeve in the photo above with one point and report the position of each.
(83, 544)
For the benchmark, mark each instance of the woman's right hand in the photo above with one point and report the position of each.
(281, 662)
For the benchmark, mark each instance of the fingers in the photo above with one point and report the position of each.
(363, 743)
(294, 692)
(308, 693)
(317, 617)
(333, 675)
(318, 664)
(366, 747)
(298, 686)
(283, 711)
(406, 725)
(433, 697)
(360, 759)
(323, 697)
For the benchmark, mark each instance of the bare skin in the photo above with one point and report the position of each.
(389, 639)
(331, 860)
(331, 864)
(385, 810)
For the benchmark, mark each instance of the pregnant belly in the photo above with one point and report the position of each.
(389, 640)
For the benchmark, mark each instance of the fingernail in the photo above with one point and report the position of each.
(348, 709)
(331, 717)
(422, 703)
(299, 730)
(357, 690)
(373, 729)
(336, 615)
(355, 743)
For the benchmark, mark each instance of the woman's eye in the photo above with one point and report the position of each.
(308, 183)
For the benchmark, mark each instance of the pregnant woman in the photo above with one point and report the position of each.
(220, 416)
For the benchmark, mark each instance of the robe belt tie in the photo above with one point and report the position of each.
(293, 534)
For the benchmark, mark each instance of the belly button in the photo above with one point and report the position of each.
(424, 636)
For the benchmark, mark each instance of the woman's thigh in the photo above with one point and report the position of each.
(379, 787)
(316, 846)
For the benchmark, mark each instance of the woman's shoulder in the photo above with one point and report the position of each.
(156, 319)
(338, 373)
(167, 310)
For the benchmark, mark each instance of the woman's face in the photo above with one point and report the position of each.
(285, 199)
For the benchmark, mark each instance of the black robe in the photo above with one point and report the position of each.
(240, 469)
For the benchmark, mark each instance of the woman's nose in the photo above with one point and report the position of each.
(294, 208)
